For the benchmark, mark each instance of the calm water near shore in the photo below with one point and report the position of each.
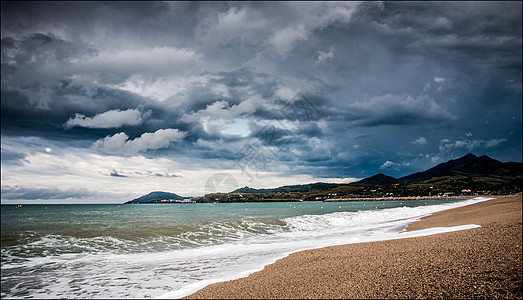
(171, 250)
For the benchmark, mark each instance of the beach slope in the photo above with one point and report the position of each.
(484, 262)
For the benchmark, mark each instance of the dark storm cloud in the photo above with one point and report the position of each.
(22, 116)
(396, 110)
(24, 193)
(40, 92)
(13, 157)
(115, 173)
(163, 175)
(379, 74)
(484, 32)
(38, 48)
(496, 18)
(21, 17)
(38, 60)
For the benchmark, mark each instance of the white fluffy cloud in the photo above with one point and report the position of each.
(221, 110)
(494, 142)
(392, 165)
(109, 119)
(120, 143)
(387, 164)
(284, 40)
(284, 93)
(220, 118)
(420, 141)
(323, 56)
(447, 145)
(439, 79)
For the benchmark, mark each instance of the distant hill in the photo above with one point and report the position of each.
(470, 172)
(156, 197)
(468, 164)
(288, 188)
(378, 179)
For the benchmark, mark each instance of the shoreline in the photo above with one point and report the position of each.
(412, 198)
(426, 266)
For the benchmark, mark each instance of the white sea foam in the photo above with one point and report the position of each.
(240, 249)
(315, 231)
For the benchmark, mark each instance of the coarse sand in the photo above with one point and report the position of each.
(484, 262)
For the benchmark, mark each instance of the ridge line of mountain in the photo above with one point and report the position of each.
(468, 167)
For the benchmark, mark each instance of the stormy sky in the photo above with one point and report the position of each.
(107, 101)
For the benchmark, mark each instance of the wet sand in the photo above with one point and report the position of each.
(483, 262)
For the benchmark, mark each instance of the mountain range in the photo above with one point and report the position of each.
(469, 164)
(479, 174)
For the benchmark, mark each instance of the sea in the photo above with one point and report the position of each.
(173, 250)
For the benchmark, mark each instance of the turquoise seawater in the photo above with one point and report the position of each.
(154, 250)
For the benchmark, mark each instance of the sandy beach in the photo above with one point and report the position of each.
(484, 262)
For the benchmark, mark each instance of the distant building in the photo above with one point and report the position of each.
(466, 192)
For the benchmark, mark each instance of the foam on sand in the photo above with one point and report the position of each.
(317, 231)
